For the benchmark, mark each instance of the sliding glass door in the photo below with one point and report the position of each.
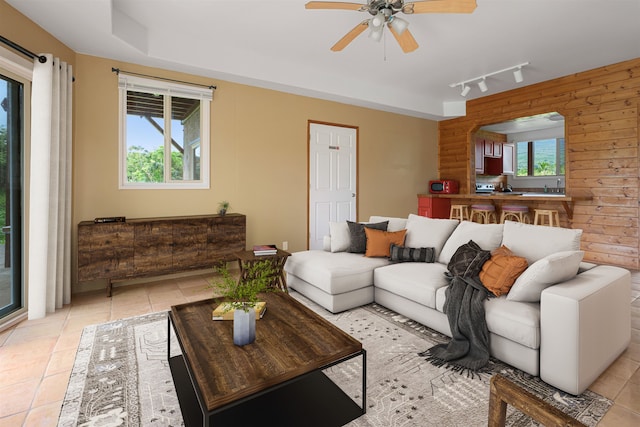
(11, 178)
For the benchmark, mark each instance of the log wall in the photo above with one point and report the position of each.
(600, 107)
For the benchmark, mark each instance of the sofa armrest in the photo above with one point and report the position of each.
(585, 324)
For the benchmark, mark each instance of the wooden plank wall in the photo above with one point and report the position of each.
(600, 107)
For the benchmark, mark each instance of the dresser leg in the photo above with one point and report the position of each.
(109, 288)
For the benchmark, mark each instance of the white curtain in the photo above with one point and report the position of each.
(49, 243)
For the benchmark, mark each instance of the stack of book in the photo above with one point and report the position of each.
(265, 250)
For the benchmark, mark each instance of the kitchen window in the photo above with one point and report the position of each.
(164, 134)
(543, 157)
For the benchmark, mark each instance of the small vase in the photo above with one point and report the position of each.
(244, 326)
(222, 212)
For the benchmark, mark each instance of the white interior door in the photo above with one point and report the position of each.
(332, 178)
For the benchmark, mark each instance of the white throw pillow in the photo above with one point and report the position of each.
(340, 237)
(535, 242)
(423, 232)
(548, 271)
(487, 236)
(395, 224)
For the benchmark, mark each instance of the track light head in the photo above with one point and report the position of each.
(465, 90)
(482, 85)
(517, 74)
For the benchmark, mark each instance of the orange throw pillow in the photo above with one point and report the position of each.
(500, 272)
(379, 241)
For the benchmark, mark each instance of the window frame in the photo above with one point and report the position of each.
(531, 158)
(167, 89)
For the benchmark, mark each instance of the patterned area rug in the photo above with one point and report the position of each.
(121, 377)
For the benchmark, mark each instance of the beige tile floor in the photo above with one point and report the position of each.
(36, 356)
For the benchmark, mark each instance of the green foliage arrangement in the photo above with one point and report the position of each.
(223, 207)
(243, 294)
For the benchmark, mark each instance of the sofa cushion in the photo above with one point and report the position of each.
(395, 224)
(379, 242)
(501, 270)
(515, 321)
(548, 271)
(488, 236)
(404, 254)
(423, 232)
(535, 242)
(357, 237)
(334, 273)
(340, 237)
(417, 281)
(468, 260)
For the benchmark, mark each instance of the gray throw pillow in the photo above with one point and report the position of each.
(404, 254)
(359, 238)
(468, 260)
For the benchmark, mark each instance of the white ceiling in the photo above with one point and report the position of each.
(281, 45)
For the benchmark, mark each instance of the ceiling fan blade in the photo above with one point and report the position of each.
(441, 6)
(405, 40)
(348, 38)
(333, 5)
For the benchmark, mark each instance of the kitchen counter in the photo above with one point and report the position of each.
(567, 200)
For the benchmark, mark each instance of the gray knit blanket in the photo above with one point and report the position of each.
(468, 349)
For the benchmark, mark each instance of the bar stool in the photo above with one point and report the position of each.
(485, 214)
(550, 215)
(517, 213)
(460, 212)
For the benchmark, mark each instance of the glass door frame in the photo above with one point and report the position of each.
(20, 70)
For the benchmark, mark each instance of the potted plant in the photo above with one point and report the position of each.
(223, 207)
(241, 296)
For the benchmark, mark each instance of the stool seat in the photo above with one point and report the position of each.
(549, 217)
(517, 213)
(460, 212)
(483, 213)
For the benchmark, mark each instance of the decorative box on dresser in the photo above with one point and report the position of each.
(433, 207)
(154, 246)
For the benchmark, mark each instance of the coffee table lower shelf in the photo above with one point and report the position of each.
(312, 400)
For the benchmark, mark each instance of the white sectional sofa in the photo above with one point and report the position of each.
(563, 320)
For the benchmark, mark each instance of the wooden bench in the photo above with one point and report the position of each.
(503, 392)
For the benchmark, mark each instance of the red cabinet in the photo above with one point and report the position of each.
(433, 207)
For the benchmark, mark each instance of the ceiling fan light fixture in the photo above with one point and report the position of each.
(398, 24)
(482, 85)
(376, 33)
(465, 90)
(517, 75)
(377, 20)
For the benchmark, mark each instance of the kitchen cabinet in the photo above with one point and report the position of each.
(479, 156)
(508, 159)
(492, 166)
(155, 246)
(434, 207)
(492, 148)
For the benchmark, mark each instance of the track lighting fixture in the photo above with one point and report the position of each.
(482, 85)
(517, 74)
(482, 80)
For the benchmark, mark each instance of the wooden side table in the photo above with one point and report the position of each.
(247, 258)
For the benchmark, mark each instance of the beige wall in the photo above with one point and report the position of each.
(258, 156)
(17, 28)
(258, 150)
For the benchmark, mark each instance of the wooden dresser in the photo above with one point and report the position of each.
(154, 246)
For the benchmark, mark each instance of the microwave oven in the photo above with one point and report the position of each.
(443, 186)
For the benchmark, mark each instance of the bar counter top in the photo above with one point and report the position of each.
(567, 200)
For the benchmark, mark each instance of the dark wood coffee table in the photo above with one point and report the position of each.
(275, 381)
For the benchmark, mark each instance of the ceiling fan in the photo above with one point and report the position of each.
(384, 11)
